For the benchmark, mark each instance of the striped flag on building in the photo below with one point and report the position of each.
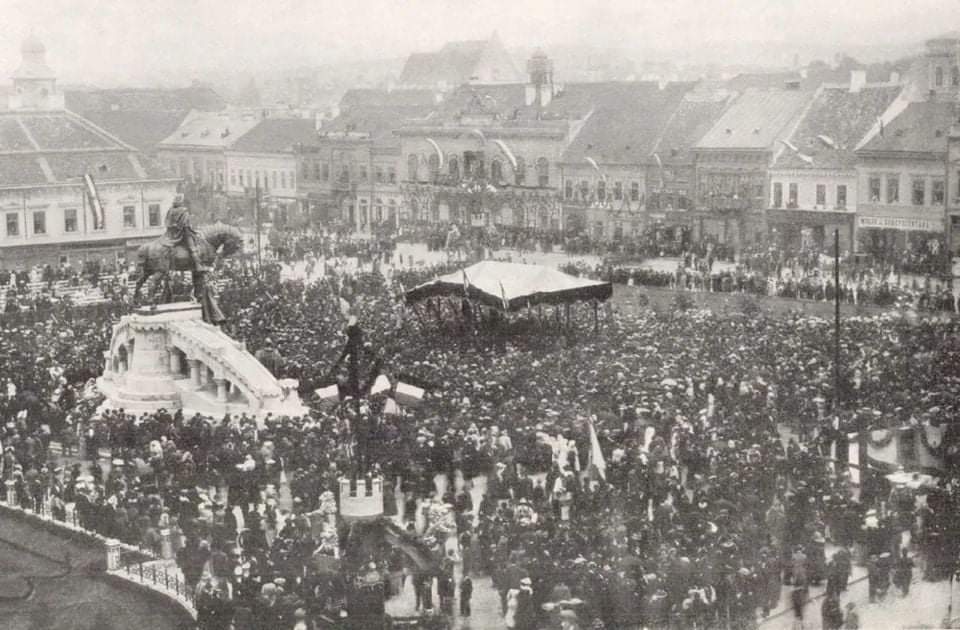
(93, 197)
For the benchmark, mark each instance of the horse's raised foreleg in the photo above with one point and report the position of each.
(167, 288)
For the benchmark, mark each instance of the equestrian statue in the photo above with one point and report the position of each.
(184, 248)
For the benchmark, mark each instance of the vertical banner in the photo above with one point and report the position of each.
(853, 457)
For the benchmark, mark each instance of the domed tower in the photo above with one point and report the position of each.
(34, 83)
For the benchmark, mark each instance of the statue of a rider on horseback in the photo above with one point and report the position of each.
(184, 248)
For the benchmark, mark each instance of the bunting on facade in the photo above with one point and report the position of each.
(93, 198)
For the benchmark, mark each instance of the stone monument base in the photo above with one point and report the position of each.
(167, 357)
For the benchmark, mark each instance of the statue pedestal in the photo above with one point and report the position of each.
(167, 357)
(361, 499)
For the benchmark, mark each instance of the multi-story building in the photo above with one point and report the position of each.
(671, 173)
(264, 158)
(350, 173)
(732, 160)
(195, 151)
(70, 191)
(813, 181)
(494, 154)
(458, 63)
(604, 169)
(907, 179)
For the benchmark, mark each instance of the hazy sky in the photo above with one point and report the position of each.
(145, 40)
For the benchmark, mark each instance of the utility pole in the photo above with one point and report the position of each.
(256, 219)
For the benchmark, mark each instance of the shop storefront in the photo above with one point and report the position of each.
(810, 229)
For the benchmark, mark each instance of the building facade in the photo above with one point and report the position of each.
(195, 152)
(732, 162)
(69, 191)
(814, 186)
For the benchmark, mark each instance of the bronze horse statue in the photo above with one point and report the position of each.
(158, 257)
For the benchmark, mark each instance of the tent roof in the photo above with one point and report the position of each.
(492, 281)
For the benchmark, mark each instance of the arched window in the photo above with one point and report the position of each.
(543, 172)
(601, 190)
(521, 175)
(378, 210)
(434, 164)
(412, 163)
(453, 167)
(496, 171)
(938, 76)
(955, 75)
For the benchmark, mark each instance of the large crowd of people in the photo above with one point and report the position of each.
(713, 492)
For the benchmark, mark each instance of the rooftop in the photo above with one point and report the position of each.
(920, 128)
(276, 135)
(368, 97)
(211, 129)
(694, 116)
(38, 148)
(200, 98)
(835, 123)
(755, 120)
(626, 123)
(142, 129)
(456, 63)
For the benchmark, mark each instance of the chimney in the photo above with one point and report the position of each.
(858, 79)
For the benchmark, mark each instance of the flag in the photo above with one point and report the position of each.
(94, 199)
(503, 298)
(380, 386)
(407, 394)
(466, 283)
(596, 455)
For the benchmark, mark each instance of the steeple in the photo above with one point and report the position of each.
(34, 83)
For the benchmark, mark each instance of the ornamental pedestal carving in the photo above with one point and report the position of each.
(168, 357)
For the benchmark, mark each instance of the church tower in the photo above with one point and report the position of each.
(34, 83)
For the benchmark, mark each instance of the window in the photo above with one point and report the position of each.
(378, 210)
(875, 190)
(153, 215)
(821, 195)
(842, 196)
(233, 177)
(129, 217)
(13, 224)
(602, 190)
(363, 172)
(955, 75)
(938, 76)
(543, 172)
(283, 179)
(919, 193)
(433, 163)
(345, 174)
(584, 189)
(392, 174)
(937, 192)
(618, 190)
(305, 169)
(453, 167)
(274, 180)
(70, 220)
(496, 170)
(893, 189)
(412, 163)
(777, 195)
(521, 175)
(792, 196)
(325, 171)
(249, 178)
(39, 222)
(316, 171)
(292, 178)
(568, 189)
(634, 191)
